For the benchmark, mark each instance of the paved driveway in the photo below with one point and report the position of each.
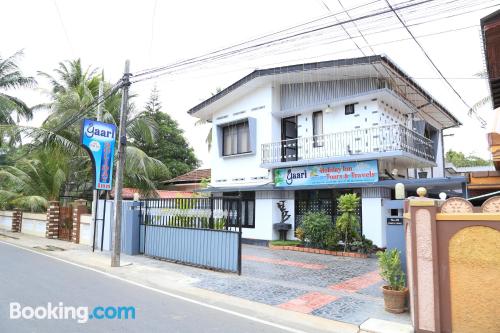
(340, 288)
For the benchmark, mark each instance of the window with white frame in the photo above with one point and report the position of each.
(236, 139)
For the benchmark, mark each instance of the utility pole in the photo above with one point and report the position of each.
(122, 145)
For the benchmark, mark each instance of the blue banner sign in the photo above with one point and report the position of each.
(337, 173)
(99, 140)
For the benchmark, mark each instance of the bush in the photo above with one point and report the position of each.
(299, 233)
(316, 227)
(332, 239)
(363, 245)
(390, 269)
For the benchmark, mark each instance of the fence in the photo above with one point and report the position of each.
(204, 232)
(377, 139)
(453, 265)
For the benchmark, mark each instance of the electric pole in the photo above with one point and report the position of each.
(122, 145)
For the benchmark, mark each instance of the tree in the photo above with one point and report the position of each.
(12, 78)
(72, 91)
(32, 182)
(201, 122)
(460, 160)
(348, 222)
(169, 144)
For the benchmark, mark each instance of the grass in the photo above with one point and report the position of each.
(285, 243)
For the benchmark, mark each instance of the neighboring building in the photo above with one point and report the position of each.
(191, 181)
(308, 133)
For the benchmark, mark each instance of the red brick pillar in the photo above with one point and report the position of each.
(17, 220)
(79, 209)
(52, 227)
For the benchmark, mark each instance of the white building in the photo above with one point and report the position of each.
(308, 133)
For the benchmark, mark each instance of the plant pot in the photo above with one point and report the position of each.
(422, 174)
(394, 300)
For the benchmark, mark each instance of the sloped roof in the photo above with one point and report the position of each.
(194, 176)
(284, 73)
(128, 193)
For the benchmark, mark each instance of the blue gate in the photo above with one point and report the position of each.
(204, 232)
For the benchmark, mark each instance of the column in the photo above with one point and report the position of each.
(52, 227)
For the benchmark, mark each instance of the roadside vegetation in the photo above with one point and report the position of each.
(37, 163)
(318, 231)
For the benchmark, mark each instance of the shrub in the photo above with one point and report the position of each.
(332, 239)
(390, 269)
(299, 233)
(363, 245)
(347, 224)
(316, 227)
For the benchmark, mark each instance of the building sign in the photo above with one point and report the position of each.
(394, 220)
(337, 173)
(99, 140)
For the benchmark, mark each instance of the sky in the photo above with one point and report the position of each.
(153, 33)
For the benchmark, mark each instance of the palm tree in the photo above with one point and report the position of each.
(12, 78)
(32, 182)
(201, 122)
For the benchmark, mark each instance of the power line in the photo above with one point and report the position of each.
(199, 60)
(64, 28)
(481, 120)
(191, 60)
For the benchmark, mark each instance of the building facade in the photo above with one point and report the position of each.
(306, 134)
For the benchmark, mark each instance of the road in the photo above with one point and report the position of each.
(34, 280)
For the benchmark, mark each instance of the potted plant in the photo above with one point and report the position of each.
(395, 291)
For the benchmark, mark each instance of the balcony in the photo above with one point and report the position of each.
(379, 142)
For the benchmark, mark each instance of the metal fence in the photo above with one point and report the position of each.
(377, 139)
(204, 232)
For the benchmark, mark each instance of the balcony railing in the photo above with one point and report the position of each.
(378, 139)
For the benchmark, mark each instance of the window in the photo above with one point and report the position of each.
(235, 139)
(349, 109)
(317, 128)
(247, 209)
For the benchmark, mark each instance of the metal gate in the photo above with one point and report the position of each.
(65, 229)
(203, 232)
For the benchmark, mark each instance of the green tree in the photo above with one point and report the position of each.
(169, 144)
(459, 159)
(72, 91)
(12, 108)
(34, 180)
(347, 223)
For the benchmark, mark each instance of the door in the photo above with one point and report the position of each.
(289, 147)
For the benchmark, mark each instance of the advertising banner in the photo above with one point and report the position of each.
(99, 140)
(336, 173)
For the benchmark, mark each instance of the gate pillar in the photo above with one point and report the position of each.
(52, 226)
(17, 220)
(79, 209)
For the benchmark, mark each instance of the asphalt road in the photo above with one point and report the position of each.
(34, 280)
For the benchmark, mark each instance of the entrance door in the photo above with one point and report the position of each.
(289, 139)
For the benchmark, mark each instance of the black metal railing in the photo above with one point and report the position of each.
(377, 139)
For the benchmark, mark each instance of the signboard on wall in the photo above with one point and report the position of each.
(99, 140)
(336, 173)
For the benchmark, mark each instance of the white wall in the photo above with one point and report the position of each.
(86, 227)
(229, 170)
(34, 224)
(5, 220)
(374, 220)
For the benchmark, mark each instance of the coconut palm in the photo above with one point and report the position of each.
(32, 182)
(12, 78)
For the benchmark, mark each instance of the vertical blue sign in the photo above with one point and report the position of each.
(99, 140)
